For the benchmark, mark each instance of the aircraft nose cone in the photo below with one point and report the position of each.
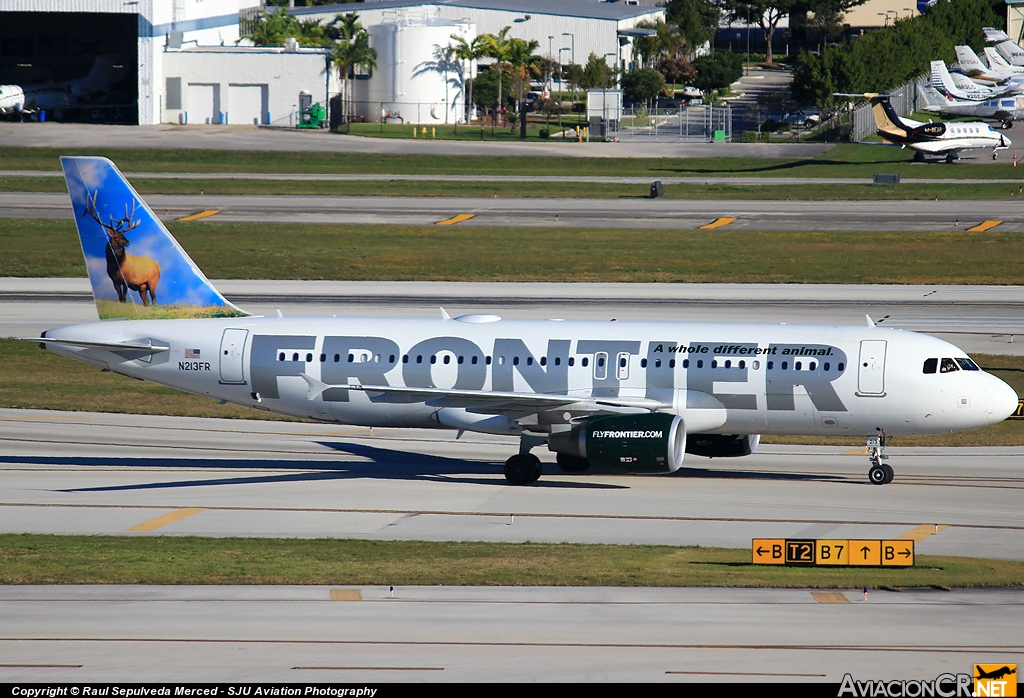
(1002, 401)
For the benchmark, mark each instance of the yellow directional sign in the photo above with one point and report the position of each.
(866, 553)
(832, 552)
(768, 551)
(897, 553)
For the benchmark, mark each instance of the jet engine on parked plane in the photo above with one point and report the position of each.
(650, 443)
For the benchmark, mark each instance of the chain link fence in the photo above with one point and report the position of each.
(688, 123)
(857, 122)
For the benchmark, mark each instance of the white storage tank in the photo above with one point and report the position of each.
(416, 81)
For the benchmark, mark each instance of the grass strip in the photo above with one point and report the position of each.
(38, 379)
(50, 248)
(48, 559)
(544, 190)
(844, 160)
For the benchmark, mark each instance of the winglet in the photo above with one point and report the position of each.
(871, 322)
(445, 315)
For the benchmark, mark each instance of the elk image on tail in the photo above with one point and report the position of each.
(126, 271)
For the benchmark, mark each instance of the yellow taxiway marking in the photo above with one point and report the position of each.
(457, 219)
(829, 597)
(983, 226)
(201, 214)
(717, 223)
(346, 595)
(160, 521)
(921, 532)
(856, 452)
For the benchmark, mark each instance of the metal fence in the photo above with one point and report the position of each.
(903, 100)
(688, 123)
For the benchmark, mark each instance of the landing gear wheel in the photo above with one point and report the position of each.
(572, 464)
(877, 475)
(889, 473)
(523, 469)
(949, 158)
(1007, 125)
(918, 156)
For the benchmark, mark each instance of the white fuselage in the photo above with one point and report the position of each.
(721, 378)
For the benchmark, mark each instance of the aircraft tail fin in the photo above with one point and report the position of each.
(931, 99)
(994, 59)
(943, 81)
(1011, 53)
(969, 61)
(994, 35)
(136, 268)
(887, 121)
(98, 78)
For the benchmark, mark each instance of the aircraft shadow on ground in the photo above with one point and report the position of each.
(793, 165)
(384, 464)
(706, 473)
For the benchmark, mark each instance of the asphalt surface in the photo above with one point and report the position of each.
(54, 135)
(86, 473)
(498, 634)
(896, 216)
(979, 319)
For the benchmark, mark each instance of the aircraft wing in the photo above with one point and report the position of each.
(491, 401)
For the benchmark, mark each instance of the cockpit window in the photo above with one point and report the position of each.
(948, 366)
(931, 365)
(968, 365)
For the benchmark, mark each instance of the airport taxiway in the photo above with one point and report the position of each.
(90, 473)
(896, 216)
(498, 634)
(980, 319)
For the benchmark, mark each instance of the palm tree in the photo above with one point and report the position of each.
(497, 46)
(351, 48)
(471, 52)
(524, 61)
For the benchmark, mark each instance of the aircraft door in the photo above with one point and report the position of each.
(871, 368)
(232, 346)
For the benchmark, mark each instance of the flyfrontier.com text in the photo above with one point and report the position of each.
(943, 686)
(620, 434)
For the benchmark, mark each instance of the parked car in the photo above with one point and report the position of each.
(797, 119)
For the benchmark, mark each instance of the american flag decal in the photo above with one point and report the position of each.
(191, 353)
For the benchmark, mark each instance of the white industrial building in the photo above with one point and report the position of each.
(179, 60)
(572, 29)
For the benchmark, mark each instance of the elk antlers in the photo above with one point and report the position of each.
(116, 226)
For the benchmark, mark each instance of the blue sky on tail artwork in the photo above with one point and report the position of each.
(137, 270)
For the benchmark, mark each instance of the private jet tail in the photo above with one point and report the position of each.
(969, 61)
(943, 81)
(1011, 52)
(994, 36)
(98, 79)
(156, 279)
(930, 99)
(996, 61)
(887, 121)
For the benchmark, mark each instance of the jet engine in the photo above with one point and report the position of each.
(649, 443)
(722, 445)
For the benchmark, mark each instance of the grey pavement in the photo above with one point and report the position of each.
(944, 215)
(54, 135)
(103, 474)
(979, 319)
(296, 634)
(738, 180)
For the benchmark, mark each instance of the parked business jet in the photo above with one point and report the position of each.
(1009, 49)
(962, 87)
(972, 66)
(16, 99)
(626, 396)
(938, 138)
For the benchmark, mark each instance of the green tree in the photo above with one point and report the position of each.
(350, 49)
(469, 52)
(485, 86)
(642, 85)
(718, 70)
(697, 21)
(272, 28)
(498, 47)
(523, 62)
(596, 73)
(767, 13)
(885, 58)
(666, 43)
(677, 70)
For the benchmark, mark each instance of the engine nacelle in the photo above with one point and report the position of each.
(648, 443)
(722, 445)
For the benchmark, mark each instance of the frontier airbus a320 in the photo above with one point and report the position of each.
(627, 396)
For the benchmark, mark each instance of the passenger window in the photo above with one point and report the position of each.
(622, 362)
(419, 358)
(813, 366)
(756, 365)
(643, 363)
(948, 366)
(600, 365)
(323, 357)
(473, 360)
(584, 362)
(840, 367)
(931, 365)
(280, 357)
(447, 359)
(657, 363)
(309, 356)
(515, 360)
(700, 363)
(558, 361)
(462, 359)
(797, 365)
(672, 363)
(728, 363)
(743, 364)
(826, 365)
(543, 361)
(771, 365)
(968, 365)
(433, 358)
(391, 359)
(487, 360)
(785, 365)
(714, 363)
(295, 356)
(572, 361)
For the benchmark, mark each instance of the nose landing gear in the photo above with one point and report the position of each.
(880, 473)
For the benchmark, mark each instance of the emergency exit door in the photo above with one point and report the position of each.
(232, 347)
(871, 368)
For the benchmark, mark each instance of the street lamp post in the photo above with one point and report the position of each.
(551, 57)
(604, 94)
(572, 57)
(746, 66)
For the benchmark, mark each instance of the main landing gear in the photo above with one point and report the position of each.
(524, 468)
(880, 473)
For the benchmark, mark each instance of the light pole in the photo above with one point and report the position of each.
(746, 66)
(561, 69)
(886, 15)
(572, 57)
(604, 95)
(551, 57)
